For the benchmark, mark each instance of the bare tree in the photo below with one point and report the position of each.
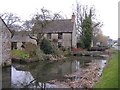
(12, 21)
(39, 22)
(82, 12)
(27, 25)
(85, 17)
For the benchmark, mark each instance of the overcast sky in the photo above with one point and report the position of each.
(106, 10)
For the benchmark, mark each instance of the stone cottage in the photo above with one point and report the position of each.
(5, 44)
(63, 32)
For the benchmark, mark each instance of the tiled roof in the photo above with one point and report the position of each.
(59, 26)
(20, 36)
(55, 26)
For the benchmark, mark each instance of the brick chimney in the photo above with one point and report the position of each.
(73, 18)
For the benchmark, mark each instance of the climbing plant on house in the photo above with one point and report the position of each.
(87, 32)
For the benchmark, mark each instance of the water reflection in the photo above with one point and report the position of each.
(36, 75)
(20, 77)
(23, 79)
(102, 64)
(77, 65)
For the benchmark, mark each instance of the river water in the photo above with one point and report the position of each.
(36, 75)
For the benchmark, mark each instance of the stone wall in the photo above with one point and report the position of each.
(74, 36)
(5, 37)
(0, 43)
(66, 39)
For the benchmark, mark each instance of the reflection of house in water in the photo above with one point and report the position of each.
(77, 65)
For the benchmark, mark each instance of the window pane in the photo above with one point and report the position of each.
(14, 45)
(59, 44)
(59, 35)
(49, 35)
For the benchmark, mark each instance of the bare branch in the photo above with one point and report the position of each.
(39, 22)
(32, 37)
(11, 20)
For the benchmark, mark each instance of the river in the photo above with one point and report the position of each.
(35, 75)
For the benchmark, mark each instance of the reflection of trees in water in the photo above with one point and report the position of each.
(5, 77)
(35, 84)
(45, 71)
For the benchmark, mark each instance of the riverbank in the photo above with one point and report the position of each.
(23, 57)
(84, 78)
(110, 74)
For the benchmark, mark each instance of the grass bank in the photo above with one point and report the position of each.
(20, 54)
(109, 78)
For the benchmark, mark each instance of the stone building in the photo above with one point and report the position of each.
(62, 32)
(19, 39)
(5, 44)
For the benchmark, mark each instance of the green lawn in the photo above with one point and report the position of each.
(19, 54)
(109, 78)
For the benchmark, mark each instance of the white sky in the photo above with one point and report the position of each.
(106, 10)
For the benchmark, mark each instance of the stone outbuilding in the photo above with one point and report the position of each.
(20, 38)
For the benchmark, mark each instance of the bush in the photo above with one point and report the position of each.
(80, 44)
(56, 50)
(46, 46)
(39, 54)
(31, 49)
(50, 48)
(67, 53)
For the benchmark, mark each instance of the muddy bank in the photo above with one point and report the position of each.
(84, 78)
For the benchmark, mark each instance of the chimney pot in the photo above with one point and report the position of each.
(73, 17)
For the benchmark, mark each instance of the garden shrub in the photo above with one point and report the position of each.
(67, 53)
(31, 49)
(56, 50)
(50, 48)
(39, 54)
(46, 46)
